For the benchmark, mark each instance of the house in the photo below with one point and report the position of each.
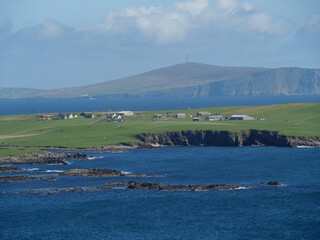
(111, 116)
(169, 114)
(181, 115)
(63, 116)
(158, 115)
(189, 116)
(46, 116)
(214, 118)
(241, 117)
(125, 113)
(261, 119)
(196, 119)
(87, 115)
(203, 114)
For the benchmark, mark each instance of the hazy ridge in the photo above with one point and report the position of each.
(192, 79)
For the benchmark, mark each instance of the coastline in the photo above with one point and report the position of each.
(199, 138)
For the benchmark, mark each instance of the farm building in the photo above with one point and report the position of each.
(196, 119)
(112, 116)
(203, 114)
(63, 116)
(214, 118)
(87, 115)
(241, 117)
(158, 115)
(169, 114)
(125, 113)
(181, 115)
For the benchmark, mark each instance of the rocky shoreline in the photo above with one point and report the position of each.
(42, 158)
(101, 172)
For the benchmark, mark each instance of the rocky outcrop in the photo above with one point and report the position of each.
(274, 183)
(225, 138)
(42, 158)
(10, 179)
(100, 172)
(77, 156)
(9, 169)
(72, 189)
(134, 185)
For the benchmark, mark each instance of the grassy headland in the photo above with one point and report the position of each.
(298, 119)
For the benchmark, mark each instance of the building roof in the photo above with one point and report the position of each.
(239, 116)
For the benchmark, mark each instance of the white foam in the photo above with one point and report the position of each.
(239, 188)
(32, 169)
(92, 158)
(304, 147)
(126, 172)
(54, 171)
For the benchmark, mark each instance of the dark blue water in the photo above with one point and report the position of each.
(32, 106)
(258, 212)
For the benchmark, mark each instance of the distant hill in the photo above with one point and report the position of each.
(195, 79)
(12, 93)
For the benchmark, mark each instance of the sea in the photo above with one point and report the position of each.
(34, 106)
(253, 211)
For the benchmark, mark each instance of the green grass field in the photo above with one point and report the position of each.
(299, 119)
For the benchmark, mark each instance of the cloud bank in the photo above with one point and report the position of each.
(137, 39)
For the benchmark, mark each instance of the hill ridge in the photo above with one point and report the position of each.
(194, 79)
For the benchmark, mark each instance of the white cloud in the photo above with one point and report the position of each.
(50, 30)
(172, 24)
(313, 24)
(195, 8)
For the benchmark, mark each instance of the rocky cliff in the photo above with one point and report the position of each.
(226, 138)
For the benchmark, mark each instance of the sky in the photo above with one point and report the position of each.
(48, 44)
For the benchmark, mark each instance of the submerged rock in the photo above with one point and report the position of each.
(11, 179)
(10, 169)
(135, 185)
(274, 183)
(100, 172)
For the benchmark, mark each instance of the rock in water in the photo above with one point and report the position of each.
(274, 183)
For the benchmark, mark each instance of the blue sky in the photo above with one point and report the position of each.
(54, 44)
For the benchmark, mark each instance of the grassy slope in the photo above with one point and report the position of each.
(300, 119)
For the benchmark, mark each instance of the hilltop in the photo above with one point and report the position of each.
(190, 80)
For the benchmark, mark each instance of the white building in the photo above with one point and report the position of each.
(181, 115)
(241, 117)
(214, 118)
(125, 113)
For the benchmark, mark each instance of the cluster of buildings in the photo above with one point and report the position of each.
(172, 115)
(208, 116)
(119, 116)
(71, 116)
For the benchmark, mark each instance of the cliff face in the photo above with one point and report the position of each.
(225, 138)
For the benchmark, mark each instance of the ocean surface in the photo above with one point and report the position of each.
(256, 211)
(32, 106)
